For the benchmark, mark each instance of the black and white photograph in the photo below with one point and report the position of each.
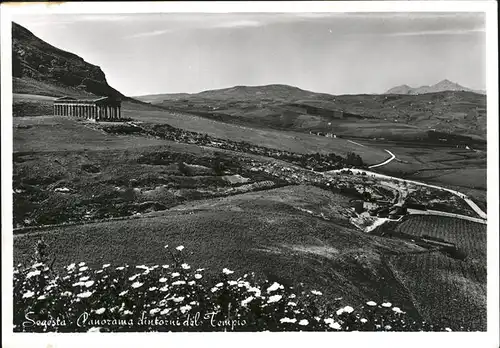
(249, 171)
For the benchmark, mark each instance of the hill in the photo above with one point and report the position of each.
(442, 86)
(41, 69)
(396, 116)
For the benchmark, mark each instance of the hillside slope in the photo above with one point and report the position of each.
(42, 69)
(291, 108)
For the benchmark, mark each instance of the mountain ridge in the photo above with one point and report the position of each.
(41, 68)
(441, 86)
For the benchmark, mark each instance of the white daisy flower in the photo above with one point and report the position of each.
(371, 303)
(180, 247)
(100, 310)
(154, 311)
(175, 274)
(304, 322)
(137, 285)
(185, 266)
(386, 304)
(185, 308)
(89, 283)
(227, 271)
(274, 298)
(316, 292)
(288, 320)
(85, 294)
(275, 286)
(247, 301)
(32, 274)
(197, 276)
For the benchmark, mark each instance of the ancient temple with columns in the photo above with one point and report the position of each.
(102, 108)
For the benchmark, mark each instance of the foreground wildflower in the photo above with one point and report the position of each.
(386, 304)
(288, 320)
(154, 311)
(346, 309)
(32, 274)
(180, 247)
(85, 294)
(274, 298)
(316, 292)
(371, 303)
(397, 310)
(246, 301)
(137, 285)
(304, 322)
(227, 271)
(275, 286)
(100, 310)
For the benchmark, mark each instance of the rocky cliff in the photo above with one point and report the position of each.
(40, 68)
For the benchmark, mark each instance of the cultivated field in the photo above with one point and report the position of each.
(468, 236)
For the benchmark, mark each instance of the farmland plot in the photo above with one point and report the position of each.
(468, 236)
(444, 290)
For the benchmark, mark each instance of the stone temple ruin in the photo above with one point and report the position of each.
(102, 108)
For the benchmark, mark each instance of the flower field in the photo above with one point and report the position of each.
(178, 297)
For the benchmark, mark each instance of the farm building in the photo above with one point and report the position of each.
(102, 108)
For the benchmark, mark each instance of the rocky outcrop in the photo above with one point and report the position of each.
(35, 60)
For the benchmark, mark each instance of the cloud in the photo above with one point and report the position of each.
(149, 33)
(238, 24)
(438, 32)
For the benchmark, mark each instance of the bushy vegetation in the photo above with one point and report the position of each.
(178, 297)
(314, 161)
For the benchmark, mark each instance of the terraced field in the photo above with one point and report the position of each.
(466, 235)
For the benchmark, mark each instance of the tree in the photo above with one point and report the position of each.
(353, 159)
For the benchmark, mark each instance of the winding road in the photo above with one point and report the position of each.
(385, 162)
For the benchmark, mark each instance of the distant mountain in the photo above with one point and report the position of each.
(442, 86)
(273, 91)
(291, 108)
(42, 69)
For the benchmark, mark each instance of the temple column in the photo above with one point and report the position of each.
(119, 112)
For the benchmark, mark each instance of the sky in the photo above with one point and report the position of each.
(336, 53)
